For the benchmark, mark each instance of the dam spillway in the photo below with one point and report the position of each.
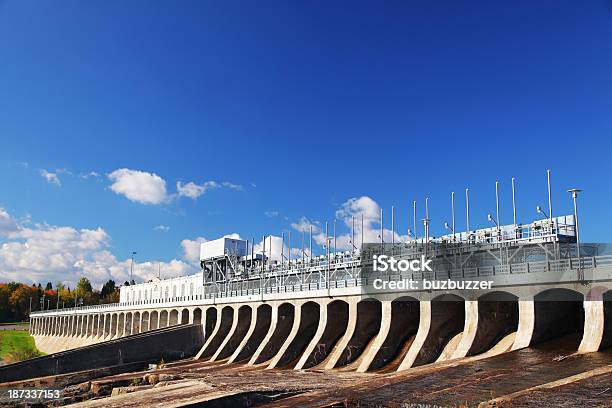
(328, 314)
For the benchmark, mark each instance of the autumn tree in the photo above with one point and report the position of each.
(20, 301)
(5, 294)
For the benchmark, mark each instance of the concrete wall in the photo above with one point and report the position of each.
(377, 333)
(167, 344)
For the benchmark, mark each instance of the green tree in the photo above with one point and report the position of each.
(83, 286)
(108, 288)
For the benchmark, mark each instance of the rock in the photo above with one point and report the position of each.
(151, 378)
(168, 377)
(130, 389)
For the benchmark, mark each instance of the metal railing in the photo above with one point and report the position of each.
(274, 285)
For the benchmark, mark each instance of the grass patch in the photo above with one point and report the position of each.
(17, 345)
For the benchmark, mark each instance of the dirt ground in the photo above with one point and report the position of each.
(545, 376)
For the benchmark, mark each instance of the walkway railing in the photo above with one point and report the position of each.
(317, 281)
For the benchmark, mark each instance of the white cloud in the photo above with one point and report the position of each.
(63, 171)
(162, 228)
(191, 249)
(50, 177)
(91, 174)
(304, 225)
(354, 209)
(139, 186)
(271, 214)
(149, 188)
(351, 210)
(46, 253)
(7, 224)
(232, 186)
(193, 190)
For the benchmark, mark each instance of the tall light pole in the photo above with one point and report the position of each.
(467, 211)
(513, 202)
(574, 192)
(132, 268)
(453, 213)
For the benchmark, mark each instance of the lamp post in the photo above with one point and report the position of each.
(574, 192)
(541, 211)
(490, 218)
(132, 268)
(451, 229)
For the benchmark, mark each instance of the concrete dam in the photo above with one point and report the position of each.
(336, 312)
(446, 321)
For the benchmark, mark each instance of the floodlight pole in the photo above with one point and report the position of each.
(335, 249)
(310, 238)
(550, 210)
(453, 213)
(353, 234)
(574, 192)
(467, 211)
(414, 226)
(497, 203)
(513, 202)
(426, 220)
(132, 268)
(263, 254)
(362, 230)
(392, 229)
(382, 240)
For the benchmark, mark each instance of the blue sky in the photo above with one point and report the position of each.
(305, 105)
